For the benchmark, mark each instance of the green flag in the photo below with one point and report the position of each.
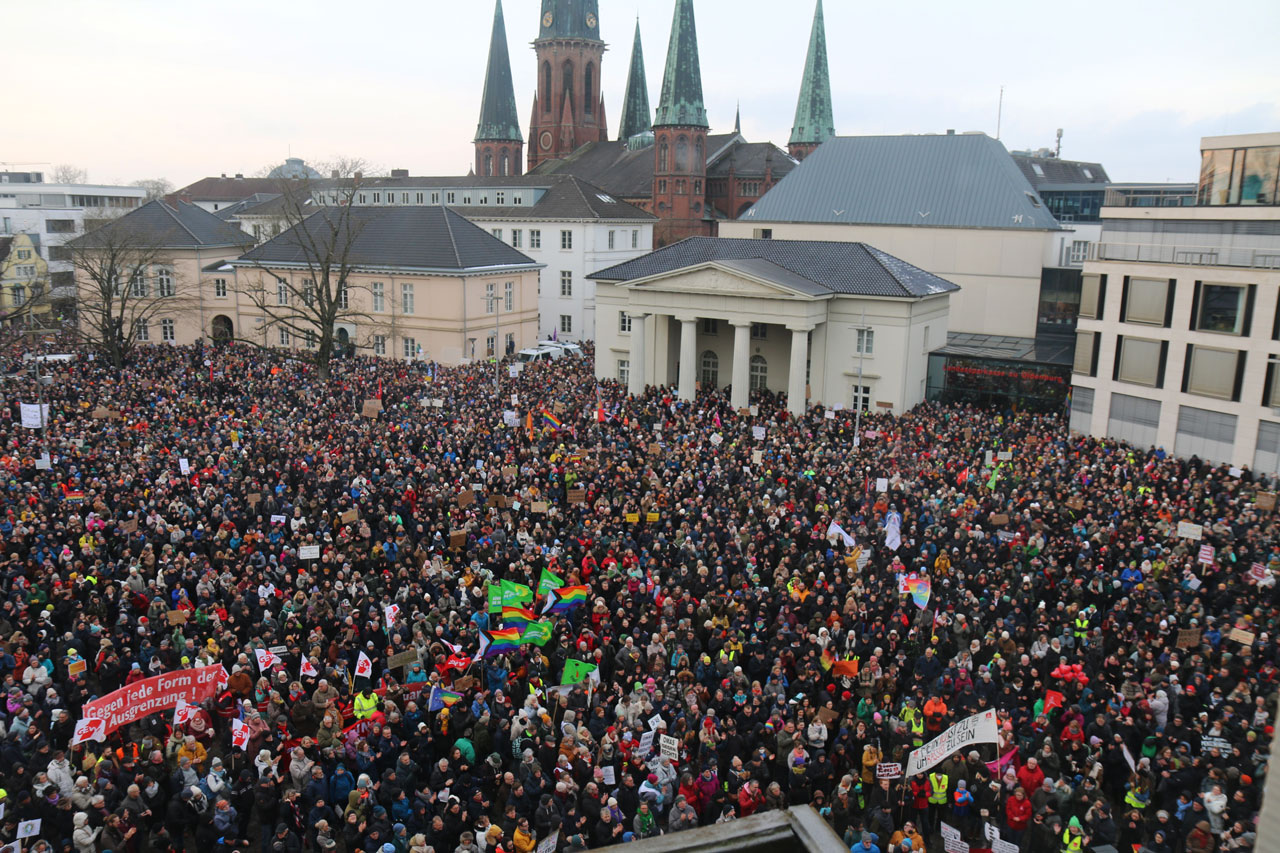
(495, 598)
(576, 670)
(514, 594)
(536, 632)
(548, 582)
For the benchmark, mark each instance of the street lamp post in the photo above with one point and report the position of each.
(496, 307)
(862, 352)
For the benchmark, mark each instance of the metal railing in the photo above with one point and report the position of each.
(1200, 256)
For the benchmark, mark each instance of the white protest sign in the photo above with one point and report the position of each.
(513, 370)
(716, 438)
(28, 828)
(44, 463)
(980, 728)
(646, 743)
(999, 845)
(882, 484)
(829, 415)
(34, 415)
(548, 844)
(515, 399)
(1207, 553)
(309, 552)
(757, 432)
(277, 519)
(1005, 455)
(509, 418)
(990, 832)
(655, 721)
(670, 747)
(608, 776)
(184, 466)
(949, 832)
(1187, 530)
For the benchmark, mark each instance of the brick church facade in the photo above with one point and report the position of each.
(669, 164)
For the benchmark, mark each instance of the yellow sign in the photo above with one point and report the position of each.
(633, 517)
(653, 516)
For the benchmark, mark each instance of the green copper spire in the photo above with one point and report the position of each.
(814, 123)
(681, 101)
(498, 119)
(570, 19)
(635, 106)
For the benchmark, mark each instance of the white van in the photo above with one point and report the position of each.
(564, 347)
(539, 354)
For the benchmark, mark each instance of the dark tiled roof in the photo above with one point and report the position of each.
(408, 237)
(835, 267)
(245, 205)
(1060, 173)
(168, 225)
(609, 165)
(749, 159)
(953, 180)
(498, 119)
(567, 198)
(227, 189)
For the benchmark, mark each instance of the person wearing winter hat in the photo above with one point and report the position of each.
(1073, 837)
(84, 837)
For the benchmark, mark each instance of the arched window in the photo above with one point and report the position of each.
(710, 370)
(546, 87)
(698, 162)
(505, 164)
(567, 74)
(488, 164)
(759, 373)
(682, 154)
(588, 89)
(662, 157)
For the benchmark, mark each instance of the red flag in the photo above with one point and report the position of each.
(90, 728)
(1053, 699)
(239, 734)
(962, 477)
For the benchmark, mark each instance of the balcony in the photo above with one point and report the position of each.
(1195, 256)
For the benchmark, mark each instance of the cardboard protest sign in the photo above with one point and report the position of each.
(999, 519)
(466, 497)
(577, 496)
(370, 408)
(177, 617)
(457, 538)
(1265, 500)
(408, 658)
(1188, 638)
(888, 770)
(538, 506)
(350, 516)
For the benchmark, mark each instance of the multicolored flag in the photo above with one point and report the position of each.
(498, 641)
(565, 598)
(441, 699)
(919, 588)
(548, 582)
(551, 420)
(516, 617)
(576, 670)
(537, 633)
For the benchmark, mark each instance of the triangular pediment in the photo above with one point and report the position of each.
(724, 279)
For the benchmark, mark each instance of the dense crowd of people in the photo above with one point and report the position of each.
(744, 599)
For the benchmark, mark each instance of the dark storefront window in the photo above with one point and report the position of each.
(998, 384)
(1059, 300)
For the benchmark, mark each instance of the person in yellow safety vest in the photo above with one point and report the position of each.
(914, 720)
(938, 789)
(1082, 625)
(366, 702)
(1073, 838)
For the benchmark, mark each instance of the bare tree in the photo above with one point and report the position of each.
(123, 284)
(300, 281)
(68, 173)
(155, 187)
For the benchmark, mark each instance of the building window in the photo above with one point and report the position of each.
(509, 297)
(435, 197)
(1086, 360)
(710, 326)
(60, 226)
(1092, 293)
(308, 292)
(516, 237)
(635, 238)
(1208, 434)
(624, 371)
(309, 340)
(1079, 251)
(282, 292)
(1146, 300)
(610, 239)
(517, 199)
(379, 344)
(499, 196)
(1139, 360)
(220, 288)
(710, 375)
(865, 342)
(535, 238)
(490, 293)
(511, 343)
(19, 296)
(759, 331)
(344, 298)
(378, 289)
(141, 330)
(624, 321)
(566, 239)
(860, 398)
(662, 185)
(26, 271)
(1081, 409)
(490, 345)
(59, 253)
(377, 198)
(566, 283)
(166, 331)
(762, 233)
(420, 197)
(449, 197)
(164, 281)
(406, 298)
(1222, 308)
(759, 373)
(404, 198)
(1211, 372)
(497, 232)
(466, 198)
(24, 254)
(566, 324)
(1267, 456)
(284, 337)
(680, 186)
(410, 347)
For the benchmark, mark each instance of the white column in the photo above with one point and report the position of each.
(795, 381)
(636, 376)
(739, 396)
(686, 390)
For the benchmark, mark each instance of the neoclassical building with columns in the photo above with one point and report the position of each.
(841, 324)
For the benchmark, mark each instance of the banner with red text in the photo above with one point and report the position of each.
(151, 695)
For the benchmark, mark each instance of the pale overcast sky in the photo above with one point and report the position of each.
(135, 89)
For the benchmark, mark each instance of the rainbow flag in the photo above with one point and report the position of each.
(551, 420)
(516, 617)
(441, 698)
(498, 641)
(565, 598)
(919, 588)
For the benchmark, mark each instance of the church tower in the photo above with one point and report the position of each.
(680, 137)
(814, 123)
(635, 106)
(568, 108)
(498, 141)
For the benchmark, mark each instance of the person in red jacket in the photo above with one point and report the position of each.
(920, 791)
(1031, 776)
(750, 798)
(1017, 815)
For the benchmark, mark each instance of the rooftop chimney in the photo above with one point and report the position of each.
(359, 175)
(334, 174)
(399, 173)
(224, 174)
(951, 131)
(239, 176)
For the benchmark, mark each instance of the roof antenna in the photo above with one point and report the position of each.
(1057, 149)
(1000, 112)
